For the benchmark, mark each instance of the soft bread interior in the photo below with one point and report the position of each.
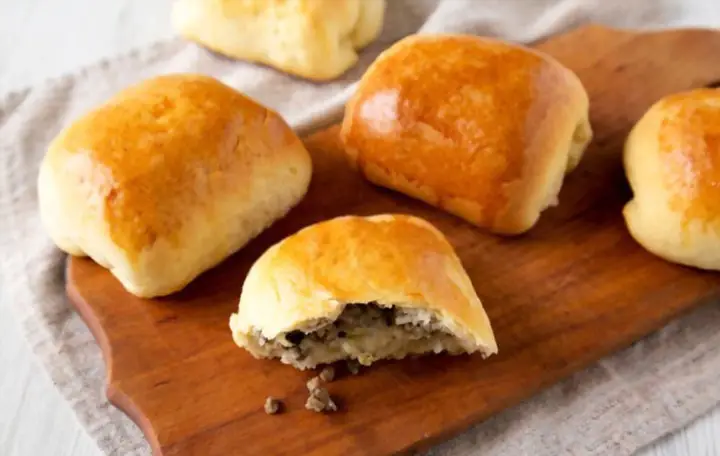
(364, 332)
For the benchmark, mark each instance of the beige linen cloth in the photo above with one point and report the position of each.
(613, 408)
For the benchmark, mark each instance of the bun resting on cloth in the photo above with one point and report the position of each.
(168, 178)
(672, 162)
(315, 39)
(483, 129)
(364, 288)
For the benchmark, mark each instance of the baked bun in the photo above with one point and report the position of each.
(315, 39)
(483, 129)
(364, 288)
(168, 178)
(672, 161)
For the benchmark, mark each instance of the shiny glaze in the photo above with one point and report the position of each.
(150, 157)
(459, 115)
(689, 140)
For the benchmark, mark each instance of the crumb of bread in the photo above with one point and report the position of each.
(320, 401)
(272, 406)
(313, 384)
(327, 374)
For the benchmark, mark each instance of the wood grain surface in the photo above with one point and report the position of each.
(571, 291)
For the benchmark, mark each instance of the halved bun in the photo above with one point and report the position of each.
(391, 283)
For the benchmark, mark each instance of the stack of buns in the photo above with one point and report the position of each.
(173, 175)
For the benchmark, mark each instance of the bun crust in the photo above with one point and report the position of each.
(168, 178)
(385, 259)
(481, 128)
(315, 39)
(672, 161)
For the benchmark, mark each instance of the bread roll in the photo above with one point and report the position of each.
(363, 288)
(483, 129)
(168, 178)
(672, 161)
(315, 39)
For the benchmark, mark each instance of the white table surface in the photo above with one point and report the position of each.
(46, 38)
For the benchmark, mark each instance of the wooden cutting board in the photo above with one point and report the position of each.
(573, 290)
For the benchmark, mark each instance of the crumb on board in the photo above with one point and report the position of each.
(353, 366)
(272, 406)
(313, 384)
(320, 401)
(327, 374)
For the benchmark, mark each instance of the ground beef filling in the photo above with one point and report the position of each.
(365, 332)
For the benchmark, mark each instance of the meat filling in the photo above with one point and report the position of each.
(365, 332)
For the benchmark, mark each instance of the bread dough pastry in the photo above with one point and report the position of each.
(315, 39)
(672, 161)
(481, 128)
(168, 178)
(363, 288)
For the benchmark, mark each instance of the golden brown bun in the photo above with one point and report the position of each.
(391, 260)
(168, 178)
(483, 129)
(672, 161)
(315, 39)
